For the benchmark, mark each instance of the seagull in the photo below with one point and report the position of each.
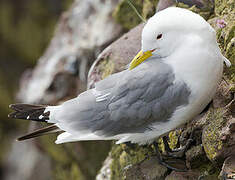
(169, 82)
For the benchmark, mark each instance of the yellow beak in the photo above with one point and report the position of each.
(139, 58)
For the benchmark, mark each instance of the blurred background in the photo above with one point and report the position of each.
(46, 49)
(26, 28)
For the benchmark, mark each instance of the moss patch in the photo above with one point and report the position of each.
(106, 68)
(126, 16)
(224, 6)
(225, 10)
(124, 156)
(210, 137)
(205, 12)
(173, 138)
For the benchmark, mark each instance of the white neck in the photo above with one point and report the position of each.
(200, 65)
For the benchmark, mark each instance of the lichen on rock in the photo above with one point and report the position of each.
(210, 137)
(128, 18)
(208, 150)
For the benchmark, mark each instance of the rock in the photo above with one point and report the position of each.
(163, 4)
(225, 13)
(203, 7)
(195, 156)
(183, 176)
(147, 170)
(227, 136)
(208, 150)
(228, 169)
(211, 133)
(105, 171)
(215, 136)
(116, 56)
(82, 32)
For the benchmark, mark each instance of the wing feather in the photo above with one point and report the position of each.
(126, 102)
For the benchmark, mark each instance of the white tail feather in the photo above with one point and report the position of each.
(67, 137)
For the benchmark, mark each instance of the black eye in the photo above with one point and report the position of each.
(159, 36)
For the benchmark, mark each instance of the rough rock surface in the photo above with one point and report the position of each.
(116, 56)
(213, 131)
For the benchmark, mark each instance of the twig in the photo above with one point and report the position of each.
(138, 14)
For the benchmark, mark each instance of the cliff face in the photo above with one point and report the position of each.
(61, 73)
(213, 131)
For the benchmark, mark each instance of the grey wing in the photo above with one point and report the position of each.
(144, 96)
(130, 102)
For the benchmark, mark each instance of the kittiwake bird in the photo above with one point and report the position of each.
(169, 82)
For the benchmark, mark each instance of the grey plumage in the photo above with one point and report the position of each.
(126, 102)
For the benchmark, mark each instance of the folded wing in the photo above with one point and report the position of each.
(126, 102)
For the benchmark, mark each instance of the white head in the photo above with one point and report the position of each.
(168, 29)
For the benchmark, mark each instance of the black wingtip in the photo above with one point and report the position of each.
(40, 132)
(29, 112)
(14, 106)
(21, 139)
(12, 115)
(25, 137)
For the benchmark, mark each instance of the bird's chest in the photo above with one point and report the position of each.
(202, 74)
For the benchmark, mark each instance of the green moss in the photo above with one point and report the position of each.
(205, 12)
(173, 138)
(211, 137)
(106, 67)
(230, 44)
(161, 146)
(208, 171)
(149, 8)
(127, 17)
(225, 12)
(230, 53)
(230, 32)
(124, 156)
(224, 6)
(226, 39)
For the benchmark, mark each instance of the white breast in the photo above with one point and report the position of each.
(200, 66)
